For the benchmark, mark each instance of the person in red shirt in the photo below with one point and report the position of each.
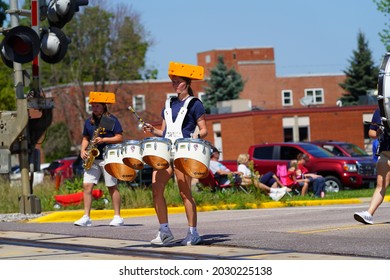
(295, 180)
(317, 182)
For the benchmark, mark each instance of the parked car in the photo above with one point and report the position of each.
(342, 149)
(62, 167)
(339, 172)
(143, 178)
(15, 175)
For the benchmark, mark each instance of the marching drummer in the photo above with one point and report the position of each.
(182, 116)
(376, 131)
(98, 135)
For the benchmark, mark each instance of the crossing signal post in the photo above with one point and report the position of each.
(22, 45)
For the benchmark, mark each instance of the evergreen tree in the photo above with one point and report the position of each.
(224, 84)
(362, 74)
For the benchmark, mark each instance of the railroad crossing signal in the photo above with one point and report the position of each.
(22, 44)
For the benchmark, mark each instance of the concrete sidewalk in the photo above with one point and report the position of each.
(71, 216)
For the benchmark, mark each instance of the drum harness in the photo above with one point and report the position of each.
(174, 128)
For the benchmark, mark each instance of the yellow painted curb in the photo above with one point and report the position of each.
(71, 216)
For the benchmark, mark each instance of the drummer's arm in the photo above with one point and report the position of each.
(156, 132)
(201, 122)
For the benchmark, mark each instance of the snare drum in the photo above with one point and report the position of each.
(114, 165)
(384, 91)
(192, 157)
(131, 154)
(156, 152)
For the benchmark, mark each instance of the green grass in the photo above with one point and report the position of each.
(140, 197)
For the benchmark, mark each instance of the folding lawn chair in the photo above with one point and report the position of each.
(282, 173)
(214, 182)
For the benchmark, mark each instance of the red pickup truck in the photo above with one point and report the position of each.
(339, 172)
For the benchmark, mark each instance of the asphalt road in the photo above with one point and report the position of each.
(324, 230)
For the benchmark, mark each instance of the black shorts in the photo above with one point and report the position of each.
(268, 179)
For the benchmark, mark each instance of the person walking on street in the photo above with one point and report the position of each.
(181, 116)
(99, 137)
(376, 131)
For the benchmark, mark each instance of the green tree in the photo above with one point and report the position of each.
(384, 7)
(107, 44)
(362, 74)
(3, 7)
(57, 143)
(7, 92)
(224, 84)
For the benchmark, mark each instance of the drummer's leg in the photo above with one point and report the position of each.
(159, 180)
(184, 183)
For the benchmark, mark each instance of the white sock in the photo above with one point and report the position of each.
(273, 190)
(193, 230)
(164, 227)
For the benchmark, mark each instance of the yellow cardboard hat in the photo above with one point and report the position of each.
(101, 97)
(194, 72)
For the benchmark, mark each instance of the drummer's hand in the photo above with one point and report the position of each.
(148, 128)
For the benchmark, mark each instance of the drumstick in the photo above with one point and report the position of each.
(136, 115)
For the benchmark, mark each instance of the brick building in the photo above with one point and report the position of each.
(275, 112)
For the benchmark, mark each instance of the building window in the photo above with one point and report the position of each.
(287, 98)
(88, 107)
(317, 94)
(208, 58)
(217, 131)
(366, 127)
(139, 103)
(201, 96)
(169, 95)
(296, 129)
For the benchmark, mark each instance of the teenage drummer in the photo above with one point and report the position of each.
(377, 131)
(181, 116)
(96, 135)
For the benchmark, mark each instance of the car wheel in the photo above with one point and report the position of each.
(332, 184)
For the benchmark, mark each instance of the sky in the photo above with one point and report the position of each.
(308, 36)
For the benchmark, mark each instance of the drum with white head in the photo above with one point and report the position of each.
(114, 165)
(192, 157)
(384, 91)
(156, 152)
(131, 154)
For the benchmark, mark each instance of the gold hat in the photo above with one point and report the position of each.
(101, 97)
(194, 72)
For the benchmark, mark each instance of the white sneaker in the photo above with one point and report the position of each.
(117, 221)
(191, 239)
(276, 196)
(281, 190)
(163, 238)
(364, 217)
(84, 221)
